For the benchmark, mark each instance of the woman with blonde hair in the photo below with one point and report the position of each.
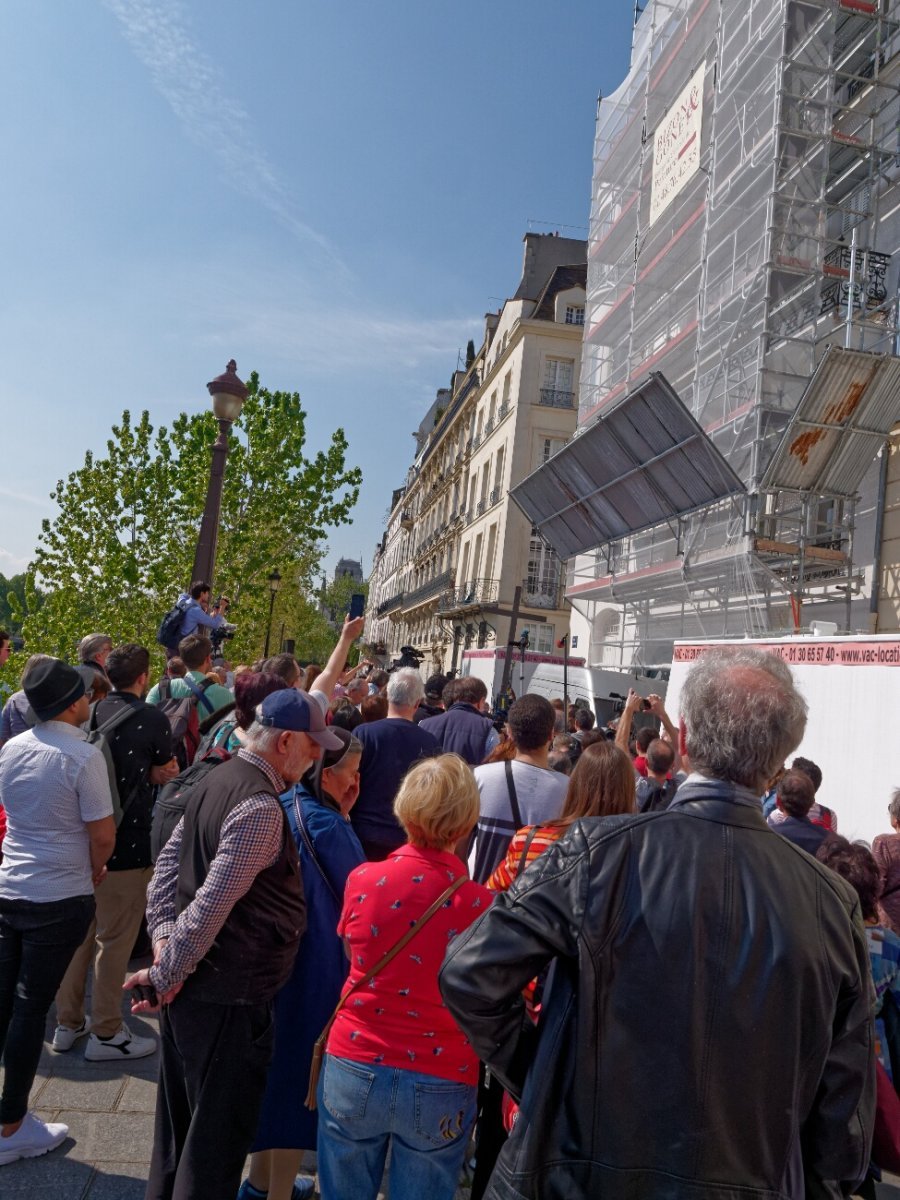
(398, 1074)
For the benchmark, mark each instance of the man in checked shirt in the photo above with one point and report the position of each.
(225, 910)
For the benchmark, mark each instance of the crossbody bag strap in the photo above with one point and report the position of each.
(319, 1048)
(200, 693)
(523, 861)
(513, 797)
(311, 850)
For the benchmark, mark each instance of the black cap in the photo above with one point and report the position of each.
(52, 686)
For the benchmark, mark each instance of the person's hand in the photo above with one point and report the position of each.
(634, 701)
(656, 705)
(98, 876)
(353, 629)
(140, 981)
(164, 773)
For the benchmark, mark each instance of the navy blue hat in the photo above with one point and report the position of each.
(290, 709)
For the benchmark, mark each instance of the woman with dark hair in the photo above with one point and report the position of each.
(224, 731)
(374, 708)
(601, 785)
(317, 811)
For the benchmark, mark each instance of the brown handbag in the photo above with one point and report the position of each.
(315, 1066)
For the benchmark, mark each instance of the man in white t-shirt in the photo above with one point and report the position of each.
(521, 792)
(54, 787)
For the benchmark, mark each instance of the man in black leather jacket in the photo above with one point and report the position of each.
(707, 1028)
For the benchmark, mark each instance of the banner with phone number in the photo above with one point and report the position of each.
(825, 654)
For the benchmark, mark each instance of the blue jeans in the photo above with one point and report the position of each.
(37, 942)
(363, 1109)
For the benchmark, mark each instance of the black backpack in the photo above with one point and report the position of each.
(99, 736)
(169, 632)
(173, 798)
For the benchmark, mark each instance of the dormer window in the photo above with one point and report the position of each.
(574, 314)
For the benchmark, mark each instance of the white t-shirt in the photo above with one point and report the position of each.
(541, 794)
(51, 782)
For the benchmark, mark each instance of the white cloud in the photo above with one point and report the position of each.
(26, 498)
(11, 564)
(193, 87)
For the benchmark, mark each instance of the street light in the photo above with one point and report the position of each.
(228, 396)
(274, 585)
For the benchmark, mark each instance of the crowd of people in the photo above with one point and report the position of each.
(390, 928)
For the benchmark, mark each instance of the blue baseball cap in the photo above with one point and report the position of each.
(292, 710)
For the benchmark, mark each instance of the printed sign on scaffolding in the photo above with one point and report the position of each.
(676, 145)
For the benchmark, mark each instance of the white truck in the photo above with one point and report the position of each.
(544, 674)
(852, 686)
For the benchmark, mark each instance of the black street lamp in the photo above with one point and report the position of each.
(274, 585)
(228, 396)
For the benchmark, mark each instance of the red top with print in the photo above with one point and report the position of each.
(399, 1018)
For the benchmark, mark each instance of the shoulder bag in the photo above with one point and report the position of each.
(319, 1048)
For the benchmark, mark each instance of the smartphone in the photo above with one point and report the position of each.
(357, 605)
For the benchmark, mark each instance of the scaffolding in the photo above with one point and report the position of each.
(778, 245)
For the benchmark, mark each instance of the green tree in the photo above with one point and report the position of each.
(12, 602)
(122, 545)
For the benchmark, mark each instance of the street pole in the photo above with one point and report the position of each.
(228, 396)
(524, 644)
(564, 643)
(274, 585)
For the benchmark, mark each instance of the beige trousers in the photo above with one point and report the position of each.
(121, 899)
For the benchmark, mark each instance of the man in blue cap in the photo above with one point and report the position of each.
(225, 911)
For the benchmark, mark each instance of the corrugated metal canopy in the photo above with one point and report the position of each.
(850, 405)
(644, 461)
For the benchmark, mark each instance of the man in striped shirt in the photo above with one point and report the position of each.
(225, 911)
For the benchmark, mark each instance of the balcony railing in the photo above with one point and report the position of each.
(502, 411)
(482, 505)
(471, 594)
(428, 591)
(390, 604)
(551, 398)
(494, 497)
(542, 593)
(488, 426)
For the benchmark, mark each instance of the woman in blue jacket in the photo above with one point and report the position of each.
(329, 850)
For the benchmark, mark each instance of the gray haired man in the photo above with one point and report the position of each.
(709, 976)
(390, 747)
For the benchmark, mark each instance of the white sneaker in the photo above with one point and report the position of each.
(33, 1138)
(65, 1038)
(123, 1045)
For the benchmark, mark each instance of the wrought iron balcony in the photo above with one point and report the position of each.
(428, 591)
(542, 593)
(494, 497)
(488, 426)
(406, 520)
(482, 505)
(502, 411)
(472, 594)
(551, 398)
(390, 604)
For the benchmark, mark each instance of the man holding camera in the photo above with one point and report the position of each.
(198, 617)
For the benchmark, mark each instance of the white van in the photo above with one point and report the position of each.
(599, 689)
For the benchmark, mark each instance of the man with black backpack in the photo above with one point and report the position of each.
(137, 741)
(191, 615)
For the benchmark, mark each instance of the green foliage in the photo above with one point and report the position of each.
(122, 546)
(12, 602)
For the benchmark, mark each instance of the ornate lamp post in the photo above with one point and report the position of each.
(274, 585)
(228, 396)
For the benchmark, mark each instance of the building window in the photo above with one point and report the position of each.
(541, 638)
(574, 314)
(559, 373)
(549, 447)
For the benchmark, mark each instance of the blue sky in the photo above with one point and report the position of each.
(332, 194)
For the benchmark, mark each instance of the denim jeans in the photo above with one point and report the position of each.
(364, 1109)
(37, 942)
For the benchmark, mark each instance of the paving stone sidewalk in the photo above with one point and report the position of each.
(109, 1110)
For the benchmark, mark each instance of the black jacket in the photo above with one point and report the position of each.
(707, 1031)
